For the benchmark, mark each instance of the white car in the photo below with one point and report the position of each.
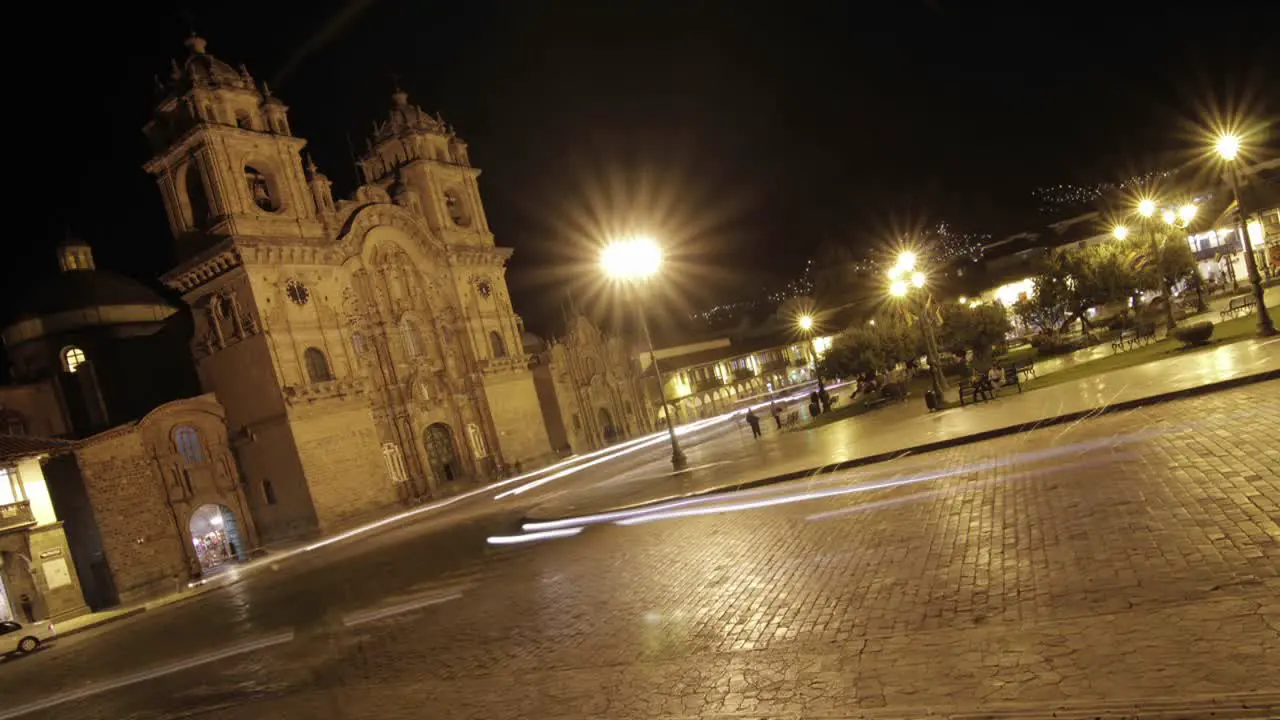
(17, 637)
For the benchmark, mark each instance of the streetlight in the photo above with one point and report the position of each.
(1179, 218)
(805, 323)
(636, 260)
(1120, 232)
(1228, 148)
(904, 278)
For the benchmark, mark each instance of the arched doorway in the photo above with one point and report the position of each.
(607, 429)
(442, 454)
(215, 533)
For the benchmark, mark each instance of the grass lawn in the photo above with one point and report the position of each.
(846, 409)
(1021, 356)
(1224, 333)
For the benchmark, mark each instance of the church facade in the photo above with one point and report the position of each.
(366, 350)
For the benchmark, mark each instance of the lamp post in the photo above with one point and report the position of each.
(1228, 148)
(906, 283)
(636, 261)
(1156, 245)
(805, 323)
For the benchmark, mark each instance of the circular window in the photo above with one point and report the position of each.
(297, 292)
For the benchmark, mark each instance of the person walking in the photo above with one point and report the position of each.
(754, 421)
(777, 416)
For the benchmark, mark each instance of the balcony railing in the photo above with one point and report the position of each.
(16, 516)
(743, 374)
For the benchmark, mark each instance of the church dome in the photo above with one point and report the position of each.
(86, 290)
(201, 68)
(82, 296)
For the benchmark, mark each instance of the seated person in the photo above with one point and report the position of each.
(995, 375)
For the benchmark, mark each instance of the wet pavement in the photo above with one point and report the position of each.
(733, 457)
(1131, 560)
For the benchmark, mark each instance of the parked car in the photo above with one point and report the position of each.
(16, 637)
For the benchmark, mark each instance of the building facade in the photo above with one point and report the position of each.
(153, 504)
(365, 349)
(713, 377)
(38, 576)
(599, 396)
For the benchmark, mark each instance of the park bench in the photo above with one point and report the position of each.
(968, 390)
(1239, 305)
(1129, 339)
(1012, 378)
(1028, 369)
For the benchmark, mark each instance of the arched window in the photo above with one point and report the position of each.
(260, 189)
(357, 341)
(476, 438)
(497, 344)
(317, 366)
(197, 197)
(394, 461)
(457, 208)
(72, 358)
(187, 442)
(409, 336)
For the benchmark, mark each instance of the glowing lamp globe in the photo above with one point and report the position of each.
(1228, 147)
(634, 258)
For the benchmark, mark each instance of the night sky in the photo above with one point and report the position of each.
(743, 134)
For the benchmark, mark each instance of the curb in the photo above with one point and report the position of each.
(949, 443)
(105, 621)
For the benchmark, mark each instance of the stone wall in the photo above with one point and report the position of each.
(342, 459)
(517, 416)
(140, 538)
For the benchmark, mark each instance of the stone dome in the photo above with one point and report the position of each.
(88, 289)
(83, 296)
(201, 68)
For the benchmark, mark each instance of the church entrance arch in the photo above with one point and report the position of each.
(607, 429)
(215, 533)
(442, 454)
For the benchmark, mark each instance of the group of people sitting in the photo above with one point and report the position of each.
(985, 384)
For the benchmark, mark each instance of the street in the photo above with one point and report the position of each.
(1125, 559)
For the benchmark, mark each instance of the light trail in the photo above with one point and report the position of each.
(650, 440)
(67, 696)
(363, 616)
(731, 501)
(532, 537)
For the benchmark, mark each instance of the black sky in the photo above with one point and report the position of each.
(744, 133)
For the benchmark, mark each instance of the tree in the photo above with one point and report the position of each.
(1163, 258)
(871, 348)
(977, 329)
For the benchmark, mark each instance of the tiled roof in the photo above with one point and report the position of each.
(19, 447)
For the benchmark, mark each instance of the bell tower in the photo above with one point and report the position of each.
(424, 165)
(225, 158)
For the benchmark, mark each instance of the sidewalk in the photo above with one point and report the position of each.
(731, 463)
(1047, 366)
